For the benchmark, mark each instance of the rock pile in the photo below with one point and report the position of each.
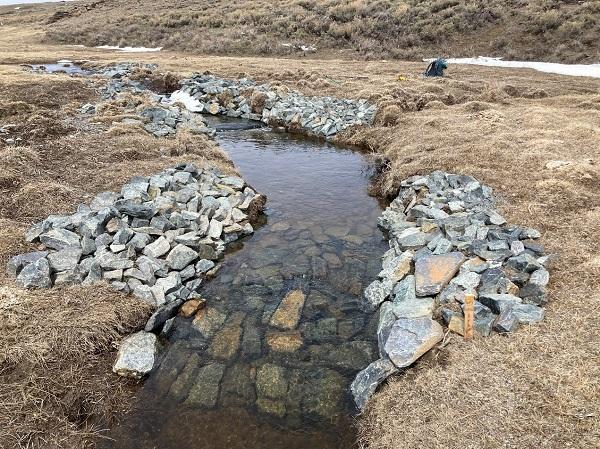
(447, 240)
(157, 238)
(320, 116)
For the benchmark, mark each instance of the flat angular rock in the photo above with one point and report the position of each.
(410, 338)
(414, 308)
(377, 292)
(499, 302)
(161, 315)
(528, 313)
(289, 341)
(181, 256)
(271, 381)
(205, 391)
(432, 273)
(397, 268)
(35, 275)
(507, 321)
(288, 312)
(60, 238)
(226, 342)
(208, 320)
(158, 248)
(387, 318)
(65, 259)
(366, 382)
(17, 263)
(136, 355)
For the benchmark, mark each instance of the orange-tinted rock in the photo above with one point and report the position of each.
(284, 341)
(191, 307)
(433, 272)
(289, 311)
(226, 342)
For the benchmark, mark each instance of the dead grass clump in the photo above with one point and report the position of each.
(11, 108)
(54, 348)
(390, 115)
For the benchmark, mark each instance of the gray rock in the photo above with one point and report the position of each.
(161, 315)
(410, 338)
(499, 302)
(507, 321)
(534, 293)
(181, 256)
(104, 199)
(528, 313)
(35, 275)
(414, 308)
(524, 262)
(377, 292)
(136, 355)
(60, 239)
(540, 277)
(158, 248)
(366, 382)
(17, 263)
(387, 318)
(165, 286)
(203, 265)
(65, 259)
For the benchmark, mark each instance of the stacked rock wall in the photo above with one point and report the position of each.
(157, 238)
(320, 116)
(447, 240)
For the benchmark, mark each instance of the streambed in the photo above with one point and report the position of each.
(234, 380)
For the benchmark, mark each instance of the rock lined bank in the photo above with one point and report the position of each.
(278, 106)
(157, 238)
(446, 240)
(162, 115)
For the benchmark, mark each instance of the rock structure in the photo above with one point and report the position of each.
(446, 240)
(157, 238)
(162, 115)
(320, 116)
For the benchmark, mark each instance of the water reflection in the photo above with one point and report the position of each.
(268, 362)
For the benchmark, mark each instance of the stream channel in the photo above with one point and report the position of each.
(235, 381)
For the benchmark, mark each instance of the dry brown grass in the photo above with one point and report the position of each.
(539, 387)
(57, 346)
(539, 29)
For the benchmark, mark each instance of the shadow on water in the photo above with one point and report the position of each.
(230, 379)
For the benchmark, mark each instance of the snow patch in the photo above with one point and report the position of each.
(190, 102)
(592, 70)
(129, 49)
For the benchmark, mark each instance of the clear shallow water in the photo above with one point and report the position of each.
(241, 383)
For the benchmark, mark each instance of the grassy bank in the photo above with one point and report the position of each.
(538, 387)
(57, 346)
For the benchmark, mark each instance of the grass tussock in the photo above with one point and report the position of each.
(547, 30)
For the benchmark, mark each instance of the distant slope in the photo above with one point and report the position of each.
(549, 30)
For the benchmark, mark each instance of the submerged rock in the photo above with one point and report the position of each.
(288, 312)
(136, 355)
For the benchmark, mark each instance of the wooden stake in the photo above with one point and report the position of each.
(469, 298)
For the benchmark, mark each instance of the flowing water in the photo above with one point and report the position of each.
(234, 381)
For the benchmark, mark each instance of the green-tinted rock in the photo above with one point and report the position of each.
(205, 391)
(271, 381)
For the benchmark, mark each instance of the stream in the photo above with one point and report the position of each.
(234, 381)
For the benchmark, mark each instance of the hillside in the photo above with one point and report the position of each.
(549, 30)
